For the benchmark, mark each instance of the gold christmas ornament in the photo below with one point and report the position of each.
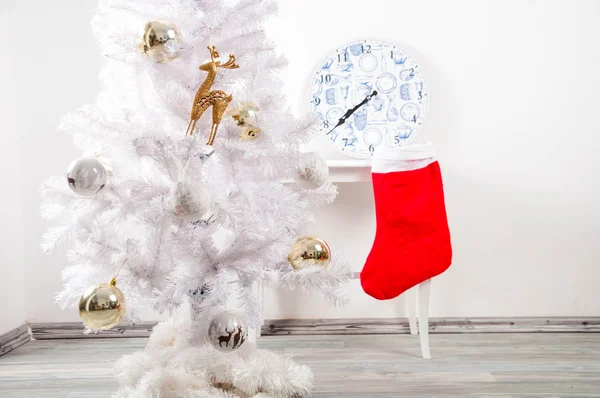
(161, 40)
(249, 133)
(102, 306)
(245, 116)
(309, 251)
(205, 98)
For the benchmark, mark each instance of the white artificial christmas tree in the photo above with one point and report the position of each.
(193, 226)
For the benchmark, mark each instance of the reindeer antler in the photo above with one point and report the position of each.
(230, 64)
(213, 53)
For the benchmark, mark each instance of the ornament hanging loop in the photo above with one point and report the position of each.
(113, 281)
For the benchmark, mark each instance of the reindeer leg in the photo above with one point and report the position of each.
(213, 134)
(193, 127)
(219, 108)
(188, 128)
(210, 136)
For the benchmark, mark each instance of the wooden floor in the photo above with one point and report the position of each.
(384, 366)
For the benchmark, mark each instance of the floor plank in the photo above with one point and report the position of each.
(365, 366)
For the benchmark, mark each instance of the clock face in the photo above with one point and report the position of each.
(369, 94)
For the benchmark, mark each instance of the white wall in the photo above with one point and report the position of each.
(57, 65)
(514, 88)
(12, 297)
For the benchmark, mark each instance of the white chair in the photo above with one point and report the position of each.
(423, 290)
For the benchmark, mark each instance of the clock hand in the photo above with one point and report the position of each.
(367, 99)
(349, 112)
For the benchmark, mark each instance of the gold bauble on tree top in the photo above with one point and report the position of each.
(102, 306)
(309, 251)
(161, 40)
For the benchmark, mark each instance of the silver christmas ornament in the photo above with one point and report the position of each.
(106, 162)
(313, 171)
(227, 332)
(86, 176)
(189, 201)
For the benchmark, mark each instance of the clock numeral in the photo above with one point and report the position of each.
(343, 57)
(345, 142)
(420, 93)
(396, 140)
(414, 119)
(326, 78)
(317, 100)
(371, 149)
(412, 72)
(392, 54)
(366, 48)
(325, 124)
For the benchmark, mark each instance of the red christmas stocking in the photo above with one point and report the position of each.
(412, 241)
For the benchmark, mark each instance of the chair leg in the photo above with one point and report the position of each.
(411, 310)
(424, 294)
(261, 298)
(259, 291)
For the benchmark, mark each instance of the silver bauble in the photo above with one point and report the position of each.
(161, 40)
(106, 162)
(313, 171)
(227, 332)
(189, 201)
(86, 176)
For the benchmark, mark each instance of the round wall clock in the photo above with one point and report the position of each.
(369, 94)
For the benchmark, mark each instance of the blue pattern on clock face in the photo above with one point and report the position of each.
(391, 116)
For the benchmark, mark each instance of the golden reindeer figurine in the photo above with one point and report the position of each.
(205, 98)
